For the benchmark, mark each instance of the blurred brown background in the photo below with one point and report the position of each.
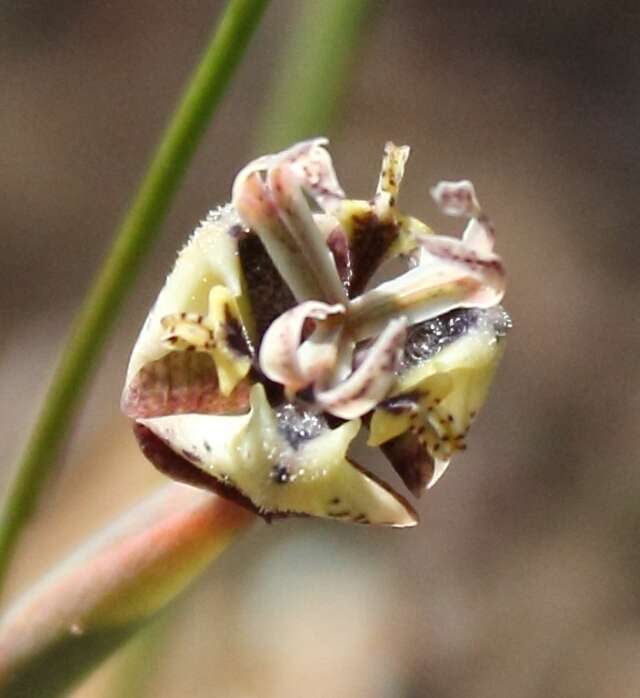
(523, 578)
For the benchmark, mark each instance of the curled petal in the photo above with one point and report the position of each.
(287, 359)
(254, 202)
(474, 253)
(419, 294)
(482, 274)
(278, 211)
(315, 171)
(459, 199)
(370, 382)
(312, 163)
(287, 187)
(456, 198)
(450, 274)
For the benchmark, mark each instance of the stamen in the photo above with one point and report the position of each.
(391, 175)
(451, 273)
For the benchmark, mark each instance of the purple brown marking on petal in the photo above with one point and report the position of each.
(405, 402)
(411, 460)
(339, 245)
(280, 474)
(235, 335)
(178, 468)
(369, 242)
(179, 383)
(387, 487)
(268, 293)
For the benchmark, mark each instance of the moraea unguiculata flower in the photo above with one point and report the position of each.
(269, 348)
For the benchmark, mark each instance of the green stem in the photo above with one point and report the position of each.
(312, 72)
(137, 231)
(111, 587)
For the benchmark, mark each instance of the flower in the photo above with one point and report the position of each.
(268, 349)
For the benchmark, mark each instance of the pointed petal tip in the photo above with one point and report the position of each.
(411, 520)
(439, 468)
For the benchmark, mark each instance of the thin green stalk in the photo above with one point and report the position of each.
(137, 231)
(312, 73)
(142, 655)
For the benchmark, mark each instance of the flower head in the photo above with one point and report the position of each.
(268, 350)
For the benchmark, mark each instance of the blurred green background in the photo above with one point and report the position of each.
(522, 578)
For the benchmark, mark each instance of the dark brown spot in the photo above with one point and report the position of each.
(235, 334)
(237, 231)
(190, 456)
(411, 460)
(280, 474)
(401, 403)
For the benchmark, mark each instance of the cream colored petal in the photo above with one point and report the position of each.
(484, 271)
(438, 399)
(420, 294)
(250, 453)
(231, 366)
(208, 259)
